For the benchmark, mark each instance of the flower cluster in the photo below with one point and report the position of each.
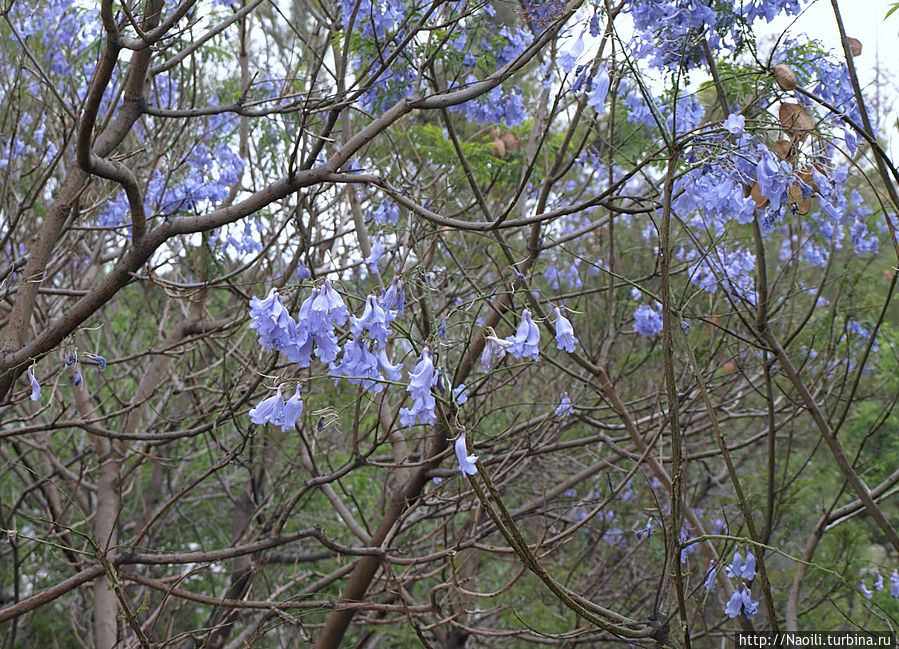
(647, 321)
(421, 380)
(364, 360)
(741, 600)
(878, 586)
(526, 341)
(203, 180)
(275, 410)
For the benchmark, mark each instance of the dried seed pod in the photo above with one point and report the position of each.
(784, 149)
(803, 205)
(797, 120)
(855, 46)
(511, 141)
(784, 76)
(499, 148)
(805, 175)
(755, 192)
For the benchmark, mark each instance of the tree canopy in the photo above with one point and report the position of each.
(447, 324)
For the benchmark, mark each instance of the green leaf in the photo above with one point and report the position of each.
(892, 9)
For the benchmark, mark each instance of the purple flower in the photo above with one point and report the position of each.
(392, 300)
(564, 408)
(291, 411)
(78, 378)
(568, 58)
(828, 208)
(894, 585)
(374, 319)
(359, 366)
(768, 172)
(99, 360)
(738, 568)
(597, 97)
(858, 232)
(878, 583)
(741, 600)
(302, 271)
(735, 123)
(565, 338)
(646, 532)
(526, 341)
(422, 379)
(647, 321)
(376, 251)
(326, 347)
(865, 591)
(330, 305)
(278, 331)
(269, 411)
(270, 319)
(851, 142)
(709, 583)
(466, 461)
(35, 386)
(387, 212)
(459, 395)
(493, 348)
(392, 372)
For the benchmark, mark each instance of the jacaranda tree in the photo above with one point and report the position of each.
(442, 324)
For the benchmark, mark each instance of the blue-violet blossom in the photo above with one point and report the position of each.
(565, 338)
(35, 386)
(526, 341)
(741, 600)
(739, 568)
(466, 461)
(422, 379)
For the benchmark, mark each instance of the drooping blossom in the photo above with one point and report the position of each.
(291, 411)
(330, 305)
(99, 360)
(709, 583)
(868, 593)
(741, 601)
(526, 341)
(740, 569)
(422, 379)
(35, 386)
(564, 408)
(374, 320)
(466, 461)
(565, 338)
(494, 348)
(270, 410)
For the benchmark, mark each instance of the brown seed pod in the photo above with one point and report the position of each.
(499, 148)
(855, 46)
(784, 76)
(755, 192)
(803, 205)
(784, 149)
(796, 120)
(511, 141)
